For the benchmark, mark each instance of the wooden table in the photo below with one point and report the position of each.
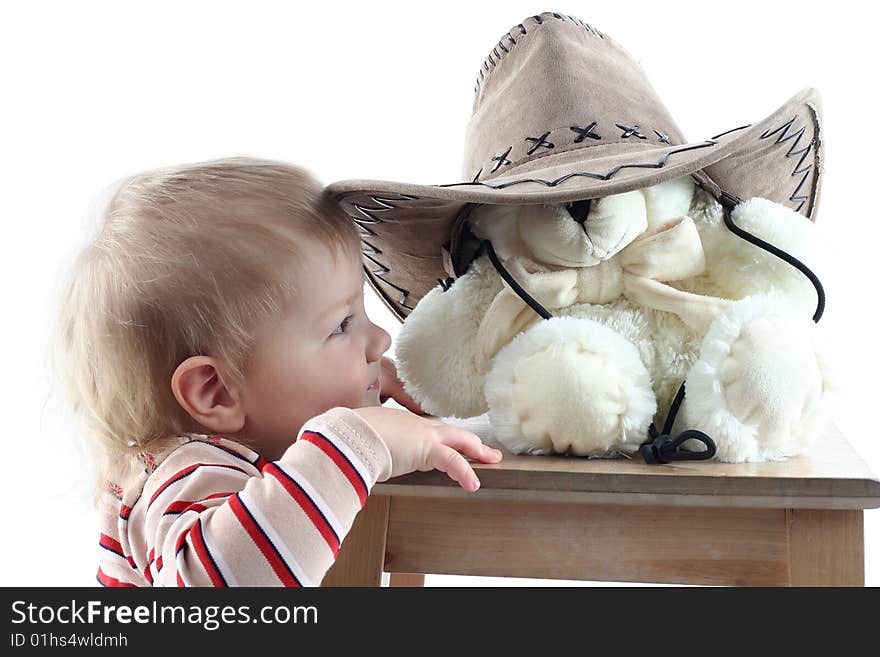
(797, 522)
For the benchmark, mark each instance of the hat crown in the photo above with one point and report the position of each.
(554, 84)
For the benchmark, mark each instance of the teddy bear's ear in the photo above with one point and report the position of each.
(783, 163)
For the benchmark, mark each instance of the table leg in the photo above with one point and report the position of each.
(362, 554)
(826, 547)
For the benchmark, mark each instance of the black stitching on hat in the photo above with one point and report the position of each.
(537, 19)
(586, 174)
(367, 212)
(370, 248)
(585, 132)
(538, 142)
(378, 273)
(366, 232)
(721, 134)
(446, 284)
(806, 171)
(501, 159)
(401, 197)
(630, 131)
(477, 177)
(370, 219)
(796, 135)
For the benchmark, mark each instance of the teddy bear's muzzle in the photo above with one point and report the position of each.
(639, 272)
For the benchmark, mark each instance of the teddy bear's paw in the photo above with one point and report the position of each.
(569, 385)
(760, 386)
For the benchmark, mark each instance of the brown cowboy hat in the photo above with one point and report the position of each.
(563, 113)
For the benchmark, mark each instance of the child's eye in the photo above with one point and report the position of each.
(344, 325)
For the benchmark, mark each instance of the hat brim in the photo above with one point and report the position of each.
(402, 225)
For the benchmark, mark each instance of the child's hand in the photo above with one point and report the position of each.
(425, 443)
(391, 387)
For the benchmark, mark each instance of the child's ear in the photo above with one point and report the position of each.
(199, 388)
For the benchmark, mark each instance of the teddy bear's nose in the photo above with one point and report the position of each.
(579, 211)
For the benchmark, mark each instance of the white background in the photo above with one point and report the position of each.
(93, 91)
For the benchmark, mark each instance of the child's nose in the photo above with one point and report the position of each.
(379, 344)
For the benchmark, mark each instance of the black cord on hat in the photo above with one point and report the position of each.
(729, 201)
(525, 296)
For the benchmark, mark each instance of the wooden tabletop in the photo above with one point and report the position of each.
(831, 476)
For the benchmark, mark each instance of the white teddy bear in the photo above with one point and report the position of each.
(647, 289)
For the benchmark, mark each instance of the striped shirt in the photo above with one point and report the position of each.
(214, 513)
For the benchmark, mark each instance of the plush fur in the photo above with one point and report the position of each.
(565, 374)
(589, 381)
(760, 385)
(667, 200)
(739, 269)
(434, 349)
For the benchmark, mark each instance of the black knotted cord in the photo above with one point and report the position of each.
(662, 447)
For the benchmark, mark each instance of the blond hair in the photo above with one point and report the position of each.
(188, 260)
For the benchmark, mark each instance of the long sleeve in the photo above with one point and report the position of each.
(213, 513)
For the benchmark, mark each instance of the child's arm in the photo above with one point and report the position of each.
(211, 517)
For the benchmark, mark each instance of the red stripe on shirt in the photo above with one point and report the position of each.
(181, 506)
(106, 580)
(181, 540)
(307, 505)
(186, 472)
(198, 542)
(116, 547)
(282, 570)
(111, 543)
(332, 451)
(148, 571)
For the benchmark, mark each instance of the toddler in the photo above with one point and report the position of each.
(217, 345)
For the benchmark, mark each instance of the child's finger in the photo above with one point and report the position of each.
(448, 460)
(470, 444)
(405, 400)
(412, 404)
